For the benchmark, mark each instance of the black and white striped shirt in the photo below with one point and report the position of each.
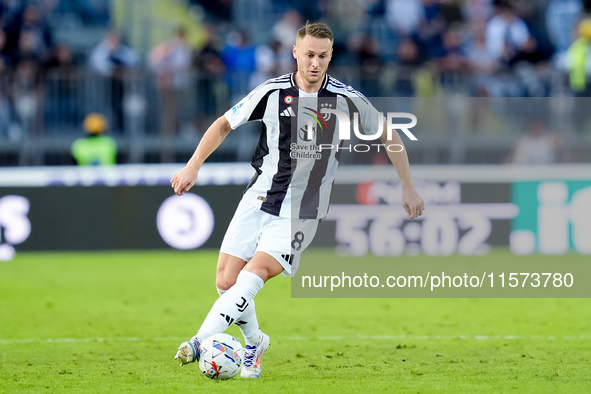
(293, 178)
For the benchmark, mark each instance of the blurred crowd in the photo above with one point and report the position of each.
(29, 53)
(424, 47)
(396, 48)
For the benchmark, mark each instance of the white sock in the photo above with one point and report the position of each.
(231, 307)
(248, 324)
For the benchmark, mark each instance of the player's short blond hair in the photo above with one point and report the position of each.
(316, 30)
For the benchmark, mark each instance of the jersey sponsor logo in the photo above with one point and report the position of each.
(288, 112)
(236, 108)
(288, 99)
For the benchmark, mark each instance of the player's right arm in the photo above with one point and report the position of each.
(250, 108)
(184, 180)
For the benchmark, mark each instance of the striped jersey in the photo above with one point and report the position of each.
(294, 162)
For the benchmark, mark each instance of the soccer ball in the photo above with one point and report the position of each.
(221, 357)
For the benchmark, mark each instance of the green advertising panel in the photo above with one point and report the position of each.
(554, 217)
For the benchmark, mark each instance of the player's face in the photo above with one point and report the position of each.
(312, 56)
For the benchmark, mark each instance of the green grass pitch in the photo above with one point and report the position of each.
(111, 322)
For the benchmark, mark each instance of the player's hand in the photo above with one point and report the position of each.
(184, 180)
(412, 203)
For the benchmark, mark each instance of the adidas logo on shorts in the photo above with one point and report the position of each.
(288, 258)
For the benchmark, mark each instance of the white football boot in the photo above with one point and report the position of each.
(251, 366)
(188, 351)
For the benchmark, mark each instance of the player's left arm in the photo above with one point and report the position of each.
(411, 201)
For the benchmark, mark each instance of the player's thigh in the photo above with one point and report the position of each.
(227, 270)
(286, 239)
(239, 244)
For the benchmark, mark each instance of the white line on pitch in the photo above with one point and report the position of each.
(309, 338)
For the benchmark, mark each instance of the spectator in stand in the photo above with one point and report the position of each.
(27, 49)
(525, 50)
(8, 9)
(270, 62)
(3, 57)
(404, 16)
(112, 59)
(171, 61)
(431, 29)
(344, 18)
(61, 88)
(536, 146)
(60, 57)
(452, 13)
(239, 58)
(369, 64)
(219, 9)
(94, 12)
(453, 61)
(5, 60)
(478, 9)
(26, 92)
(5, 116)
(578, 61)
(96, 148)
(285, 30)
(409, 59)
(481, 64)
(561, 18)
(211, 70)
(27, 87)
(539, 49)
(29, 22)
(507, 36)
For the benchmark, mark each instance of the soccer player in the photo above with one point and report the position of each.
(288, 195)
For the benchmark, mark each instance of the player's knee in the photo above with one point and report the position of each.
(262, 272)
(224, 281)
(264, 266)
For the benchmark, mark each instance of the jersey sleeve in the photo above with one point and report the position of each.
(250, 108)
(370, 118)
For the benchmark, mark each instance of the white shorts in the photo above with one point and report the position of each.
(252, 230)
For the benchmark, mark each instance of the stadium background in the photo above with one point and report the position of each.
(498, 136)
(50, 79)
(483, 113)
